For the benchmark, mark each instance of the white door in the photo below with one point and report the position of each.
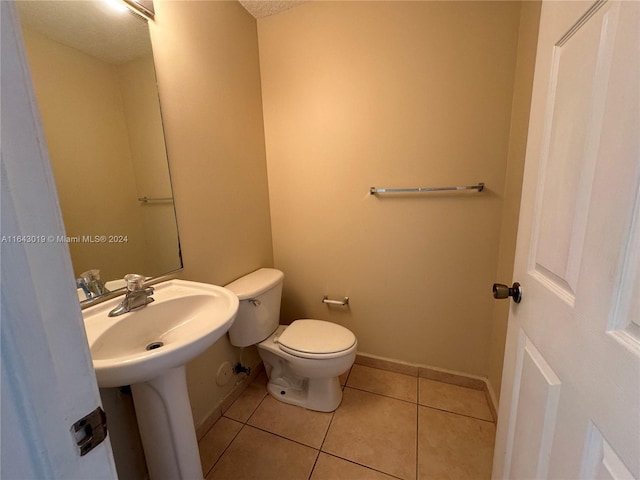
(570, 405)
(48, 382)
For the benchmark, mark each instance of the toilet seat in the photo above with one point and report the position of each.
(317, 339)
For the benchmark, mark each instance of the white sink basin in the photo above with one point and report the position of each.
(148, 349)
(184, 320)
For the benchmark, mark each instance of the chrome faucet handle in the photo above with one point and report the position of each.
(137, 295)
(91, 279)
(135, 282)
(89, 275)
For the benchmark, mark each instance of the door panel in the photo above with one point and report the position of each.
(625, 311)
(577, 256)
(538, 391)
(580, 64)
(600, 460)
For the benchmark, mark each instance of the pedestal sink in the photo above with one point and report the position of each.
(148, 349)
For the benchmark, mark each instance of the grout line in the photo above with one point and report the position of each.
(225, 448)
(362, 465)
(244, 424)
(315, 462)
(456, 413)
(333, 415)
(250, 415)
(382, 395)
(256, 409)
(282, 436)
(326, 433)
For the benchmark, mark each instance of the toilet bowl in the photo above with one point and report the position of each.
(307, 377)
(303, 360)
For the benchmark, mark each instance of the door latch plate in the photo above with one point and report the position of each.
(90, 430)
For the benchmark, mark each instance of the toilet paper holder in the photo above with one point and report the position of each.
(344, 302)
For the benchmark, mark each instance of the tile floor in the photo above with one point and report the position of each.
(388, 426)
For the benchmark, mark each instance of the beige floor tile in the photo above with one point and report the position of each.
(453, 446)
(216, 440)
(295, 423)
(375, 431)
(247, 403)
(453, 398)
(259, 455)
(391, 384)
(329, 467)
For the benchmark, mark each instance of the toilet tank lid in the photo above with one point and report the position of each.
(255, 283)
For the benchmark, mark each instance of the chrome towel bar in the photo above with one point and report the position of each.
(344, 302)
(374, 190)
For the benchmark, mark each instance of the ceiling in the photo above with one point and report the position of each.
(265, 8)
(115, 37)
(91, 27)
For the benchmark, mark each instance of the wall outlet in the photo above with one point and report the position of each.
(225, 374)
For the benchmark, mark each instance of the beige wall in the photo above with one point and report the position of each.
(391, 94)
(81, 108)
(527, 42)
(149, 158)
(104, 133)
(207, 65)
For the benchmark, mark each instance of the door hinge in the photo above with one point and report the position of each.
(90, 430)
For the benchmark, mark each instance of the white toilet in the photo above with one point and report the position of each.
(303, 360)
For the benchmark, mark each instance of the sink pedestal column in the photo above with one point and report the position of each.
(166, 427)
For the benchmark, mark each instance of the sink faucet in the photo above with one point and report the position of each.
(91, 284)
(137, 295)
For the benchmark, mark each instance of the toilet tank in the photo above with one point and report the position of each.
(258, 316)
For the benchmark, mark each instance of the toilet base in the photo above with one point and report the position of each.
(319, 394)
(309, 383)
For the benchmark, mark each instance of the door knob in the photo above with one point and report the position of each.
(502, 291)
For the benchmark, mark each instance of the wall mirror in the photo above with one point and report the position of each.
(94, 78)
